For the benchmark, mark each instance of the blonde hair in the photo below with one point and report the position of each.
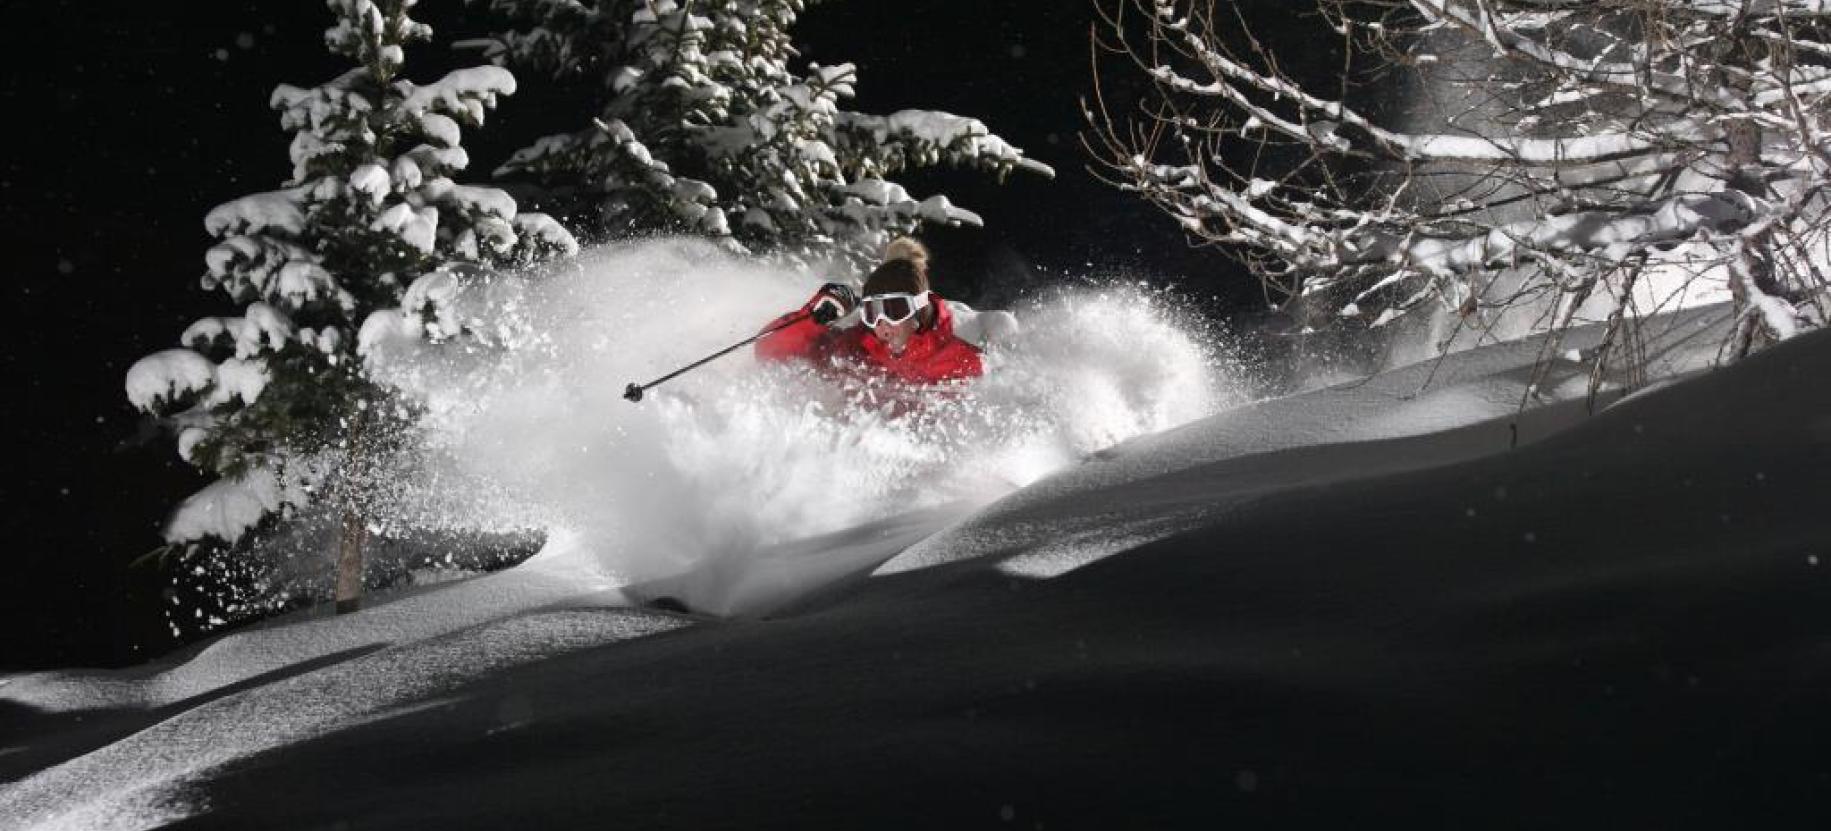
(908, 248)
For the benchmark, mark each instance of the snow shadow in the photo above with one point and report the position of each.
(34, 738)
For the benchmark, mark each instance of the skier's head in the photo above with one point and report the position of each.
(905, 269)
(896, 294)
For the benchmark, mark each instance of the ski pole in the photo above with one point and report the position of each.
(634, 392)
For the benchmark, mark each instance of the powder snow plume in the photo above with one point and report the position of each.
(529, 429)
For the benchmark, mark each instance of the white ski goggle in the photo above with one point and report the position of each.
(891, 308)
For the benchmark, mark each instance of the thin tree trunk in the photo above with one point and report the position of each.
(353, 533)
(351, 539)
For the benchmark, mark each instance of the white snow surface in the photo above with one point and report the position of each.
(1073, 518)
(713, 479)
(137, 782)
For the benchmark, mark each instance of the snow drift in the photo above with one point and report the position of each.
(1614, 617)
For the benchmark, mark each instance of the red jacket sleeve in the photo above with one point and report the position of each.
(801, 339)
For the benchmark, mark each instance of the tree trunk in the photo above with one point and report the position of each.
(351, 538)
(353, 533)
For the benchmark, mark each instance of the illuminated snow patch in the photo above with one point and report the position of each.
(530, 429)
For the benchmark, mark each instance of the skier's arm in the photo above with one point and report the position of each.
(802, 339)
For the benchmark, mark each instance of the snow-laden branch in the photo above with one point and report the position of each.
(370, 206)
(1745, 9)
(1479, 17)
(706, 122)
(1561, 154)
(1318, 121)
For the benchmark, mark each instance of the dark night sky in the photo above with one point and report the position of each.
(129, 120)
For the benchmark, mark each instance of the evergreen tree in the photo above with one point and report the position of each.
(275, 402)
(704, 128)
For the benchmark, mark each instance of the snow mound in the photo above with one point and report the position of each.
(1183, 476)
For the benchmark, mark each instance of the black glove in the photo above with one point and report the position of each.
(832, 302)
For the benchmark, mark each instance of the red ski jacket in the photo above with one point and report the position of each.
(935, 352)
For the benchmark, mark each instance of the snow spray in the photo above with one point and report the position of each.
(527, 426)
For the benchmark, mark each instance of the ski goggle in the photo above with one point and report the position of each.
(891, 308)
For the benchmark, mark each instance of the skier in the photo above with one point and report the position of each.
(895, 327)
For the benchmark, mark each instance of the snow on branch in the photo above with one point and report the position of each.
(707, 123)
(260, 328)
(371, 206)
(230, 507)
(161, 378)
(280, 210)
(464, 93)
(937, 135)
(1571, 157)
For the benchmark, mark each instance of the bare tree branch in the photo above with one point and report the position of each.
(1578, 159)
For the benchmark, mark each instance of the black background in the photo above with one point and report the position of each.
(127, 122)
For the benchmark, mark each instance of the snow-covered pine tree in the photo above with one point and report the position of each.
(275, 401)
(702, 126)
(1564, 160)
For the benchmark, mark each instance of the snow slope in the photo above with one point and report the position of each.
(1619, 620)
(1135, 493)
(734, 488)
(550, 578)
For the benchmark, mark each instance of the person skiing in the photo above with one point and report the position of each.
(895, 326)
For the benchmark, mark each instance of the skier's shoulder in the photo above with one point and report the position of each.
(981, 328)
